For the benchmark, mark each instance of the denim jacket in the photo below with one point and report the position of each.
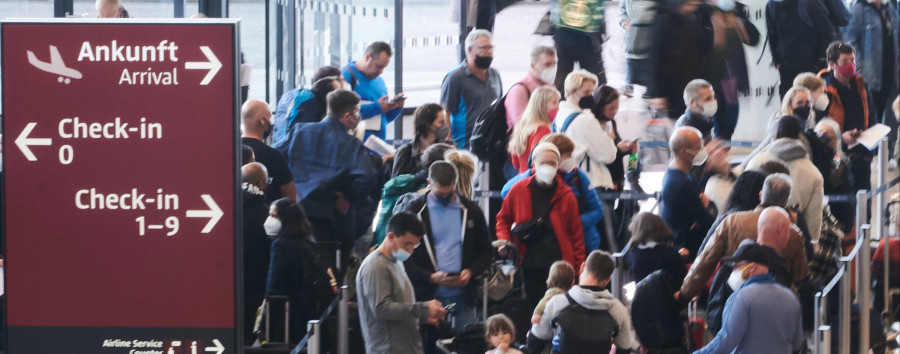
(865, 34)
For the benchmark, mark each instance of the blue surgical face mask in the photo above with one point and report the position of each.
(726, 5)
(401, 255)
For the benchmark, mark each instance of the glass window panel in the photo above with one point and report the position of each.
(26, 8)
(135, 8)
(252, 14)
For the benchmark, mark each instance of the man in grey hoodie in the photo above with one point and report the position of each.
(590, 293)
(808, 192)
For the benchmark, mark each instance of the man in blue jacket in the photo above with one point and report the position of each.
(332, 170)
(365, 79)
(762, 316)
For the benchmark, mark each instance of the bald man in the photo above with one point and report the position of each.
(256, 119)
(110, 9)
(683, 206)
(257, 246)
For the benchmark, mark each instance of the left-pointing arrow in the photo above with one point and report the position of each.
(213, 65)
(214, 213)
(23, 141)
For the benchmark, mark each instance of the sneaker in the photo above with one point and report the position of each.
(629, 91)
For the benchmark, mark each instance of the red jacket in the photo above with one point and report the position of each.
(564, 217)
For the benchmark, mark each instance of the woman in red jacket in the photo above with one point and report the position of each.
(557, 236)
(535, 124)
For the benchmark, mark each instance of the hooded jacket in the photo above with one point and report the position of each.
(594, 300)
(476, 249)
(807, 191)
(564, 218)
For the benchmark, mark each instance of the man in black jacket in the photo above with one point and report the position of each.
(456, 247)
(256, 243)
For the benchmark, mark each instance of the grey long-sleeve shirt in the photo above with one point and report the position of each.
(388, 311)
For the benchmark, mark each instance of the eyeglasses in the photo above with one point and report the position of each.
(484, 47)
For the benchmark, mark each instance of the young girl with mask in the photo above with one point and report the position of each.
(535, 124)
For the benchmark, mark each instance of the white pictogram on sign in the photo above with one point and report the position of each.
(55, 66)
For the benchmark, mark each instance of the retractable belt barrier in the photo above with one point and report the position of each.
(312, 341)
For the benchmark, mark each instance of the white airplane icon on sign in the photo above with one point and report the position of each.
(55, 66)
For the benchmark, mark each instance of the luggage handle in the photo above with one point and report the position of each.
(287, 317)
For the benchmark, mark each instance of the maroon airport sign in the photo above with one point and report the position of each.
(120, 186)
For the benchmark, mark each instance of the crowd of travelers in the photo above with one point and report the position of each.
(750, 243)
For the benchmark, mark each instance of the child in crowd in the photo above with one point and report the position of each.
(562, 277)
(499, 331)
(652, 250)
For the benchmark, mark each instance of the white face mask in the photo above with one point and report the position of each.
(548, 75)
(272, 226)
(821, 102)
(401, 255)
(567, 165)
(710, 108)
(347, 86)
(701, 156)
(726, 5)
(736, 279)
(545, 174)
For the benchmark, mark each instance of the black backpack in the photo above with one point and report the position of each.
(316, 279)
(491, 133)
(655, 313)
(582, 330)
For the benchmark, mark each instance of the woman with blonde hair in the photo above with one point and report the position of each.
(465, 163)
(797, 102)
(535, 124)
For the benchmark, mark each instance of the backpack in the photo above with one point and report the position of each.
(655, 313)
(566, 123)
(317, 279)
(491, 133)
(583, 330)
(282, 110)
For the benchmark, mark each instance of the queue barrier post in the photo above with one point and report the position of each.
(343, 344)
(881, 206)
(314, 346)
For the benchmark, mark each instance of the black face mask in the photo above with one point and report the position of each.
(586, 102)
(267, 130)
(802, 112)
(483, 62)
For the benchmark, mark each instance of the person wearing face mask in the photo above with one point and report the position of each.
(852, 107)
(334, 174)
(540, 215)
(818, 97)
(535, 124)
(589, 204)
(431, 127)
(796, 103)
(542, 72)
(700, 99)
(471, 87)
(388, 311)
(836, 175)
(808, 193)
(456, 247)
(291, 263)
(578, 28)
(257, 244)
(727, 65)
(364, 77)
(762, 316)
(593, 139)
(256, 121)
(682, 205)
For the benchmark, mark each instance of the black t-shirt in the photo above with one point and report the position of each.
(275, 164)
(546, 251)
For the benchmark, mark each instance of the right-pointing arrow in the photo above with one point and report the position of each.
(213, 64)
(219, 348)
(214, 213)
(23, 141)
